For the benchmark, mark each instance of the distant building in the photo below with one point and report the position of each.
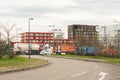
(84, 35)
(117, 39)
(37, 37)
(59, 34)
(44, 38)
(0, 35)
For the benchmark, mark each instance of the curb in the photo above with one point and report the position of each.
(23, 69)
(85, 59)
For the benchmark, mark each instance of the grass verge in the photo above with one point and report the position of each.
(112, 60)
(18, 63)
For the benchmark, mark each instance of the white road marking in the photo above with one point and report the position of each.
(102, 74)
(79, 74)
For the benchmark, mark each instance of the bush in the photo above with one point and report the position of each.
(11, 53)
(0, 56)
(2, 48)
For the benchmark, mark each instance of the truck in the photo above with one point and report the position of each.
(23, 48)
(110, 52)
(86, 50)
(47, 49)
(107, 50)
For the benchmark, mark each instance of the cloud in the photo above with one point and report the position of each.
(98, 6)
(61, 11)
(27, 8)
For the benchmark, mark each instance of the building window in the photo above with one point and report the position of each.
(37, 34)
(71, 32)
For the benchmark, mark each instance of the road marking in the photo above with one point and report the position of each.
(79, 74)
(102, 74)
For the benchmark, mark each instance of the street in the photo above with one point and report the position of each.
(67, 69)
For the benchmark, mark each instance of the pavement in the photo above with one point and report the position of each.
(84, 59)
(67, 69)
(42, 65)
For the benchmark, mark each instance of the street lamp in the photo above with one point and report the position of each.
(117, 36)
(54, 34)
(53, 29)
(29, 35)
(105, 39)
(18, 33)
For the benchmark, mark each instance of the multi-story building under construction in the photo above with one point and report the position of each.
(84, 35)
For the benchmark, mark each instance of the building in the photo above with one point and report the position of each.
(37, 37)
(117, 39)
(44, 38)
(84, 35)
(58, 33)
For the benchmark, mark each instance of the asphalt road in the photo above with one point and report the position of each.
(67, 69)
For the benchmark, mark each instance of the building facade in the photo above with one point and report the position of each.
(58, 33)
(84, 35)
(44, 38)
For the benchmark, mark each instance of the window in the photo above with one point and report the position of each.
(71, 33)
(75, 26)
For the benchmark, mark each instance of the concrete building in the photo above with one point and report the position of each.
(84, 35)
(44, 38)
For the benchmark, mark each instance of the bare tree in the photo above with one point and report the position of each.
(7, 30)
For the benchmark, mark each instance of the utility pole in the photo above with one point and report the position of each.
(118, 37)
(29, 35)
(53, 35)
(118, 42)
(105, 39)
(18, 33)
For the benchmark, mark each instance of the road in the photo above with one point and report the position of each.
(67, 69)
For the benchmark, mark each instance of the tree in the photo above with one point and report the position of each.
(7, 30)
(2, 48)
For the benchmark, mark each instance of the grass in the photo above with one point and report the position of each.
(7, 64)
(112, 60)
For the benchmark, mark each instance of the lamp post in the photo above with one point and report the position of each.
(118, 37)
(18, 33)
(54, 34)
(29, 35)
(53, 30)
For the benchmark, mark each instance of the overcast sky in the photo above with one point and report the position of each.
(60, 13)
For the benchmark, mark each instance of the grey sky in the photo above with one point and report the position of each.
(58, 12)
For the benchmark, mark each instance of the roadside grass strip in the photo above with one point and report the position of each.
(111, 60)
(18, 63)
